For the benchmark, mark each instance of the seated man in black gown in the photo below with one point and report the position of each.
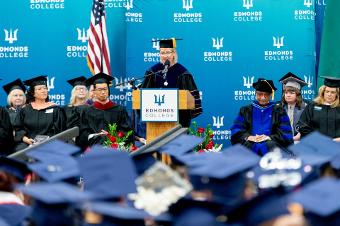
(168, 73)
(262, 125)
(95, 119)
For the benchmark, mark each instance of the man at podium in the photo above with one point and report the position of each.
(168, 73)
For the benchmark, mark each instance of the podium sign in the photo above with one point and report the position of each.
(159, 105)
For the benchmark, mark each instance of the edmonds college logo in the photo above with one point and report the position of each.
(159, 99)
(11, 50)
(153, 56)
(188, 16)
(305, 13)
(278, 53)
(244, 93)
(248, 82)
(132, 17)
(47, 4)
(80, 49)
(219, 134)
(217, 55)
(247, 15)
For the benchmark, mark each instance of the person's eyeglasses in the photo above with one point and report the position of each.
(80, 88)
(166, 52)
(101, 89)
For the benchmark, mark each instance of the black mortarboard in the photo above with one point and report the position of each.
(108, 173)
(292, 80)
(77, 81)
(99, 78)
(264, 85)
(39, 80)
(167, 43)
(331, 81)
(16, 84)
(320, 200)
(14, 167)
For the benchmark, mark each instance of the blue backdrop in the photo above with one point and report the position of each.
(226, 45)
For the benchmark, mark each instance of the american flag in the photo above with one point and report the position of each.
(98, 53)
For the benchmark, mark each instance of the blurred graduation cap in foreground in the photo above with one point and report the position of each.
(107, 173)
(14, 167)
(321, 201)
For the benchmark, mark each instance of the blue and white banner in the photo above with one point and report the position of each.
(226, 46)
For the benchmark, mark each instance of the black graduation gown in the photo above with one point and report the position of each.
(320, 118)
(176, 77)
(73, 115)
(95, 118)
(12, 113)
(281, 132)
(6, 133)
(31, 122)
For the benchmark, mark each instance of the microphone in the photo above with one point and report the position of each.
(166, 66)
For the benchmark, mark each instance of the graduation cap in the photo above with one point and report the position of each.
(264, 85)
(14, 167)
(108, 173)
(167, 43)
(13, 214)
(292, 80)
(57, 168)
(39, 80)
(55, 147)
(331, 81)
(79, 81)
(192, 212)
(320, 200)
(316, 149)
(263, 207)
(99, 78)
(53, 202)
(16, 84)
(123, 214)
(176, 148)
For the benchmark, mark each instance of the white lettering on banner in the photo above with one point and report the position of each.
(308, 93)
(78, 51)
(247, 16)
(187, 17)
(305, 14)
(278, 55)
(47, 4)
(220, 134)
(217, 56)
(11, 51)
(247, 94)
(128, 4)
(132, 17)
(58, 99)
(153, 56)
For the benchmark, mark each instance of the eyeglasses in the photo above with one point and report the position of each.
(166, 52)
(101, 89)
(81, 88)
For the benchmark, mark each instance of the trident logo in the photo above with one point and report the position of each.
(217, 43)
(11, 36)
(309, 81)
(278, 42)
(248, 4)
(155, 44)
(123, 84)
(129, 4)
(218, 121)
(248, 82)
(187, 4)
(82, 35)
(159, 100)
(50, 83)
(308, 3)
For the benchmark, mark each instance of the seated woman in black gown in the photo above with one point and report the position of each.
(39, 116)
(79, 96)
(323, 114)
(16, 97)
